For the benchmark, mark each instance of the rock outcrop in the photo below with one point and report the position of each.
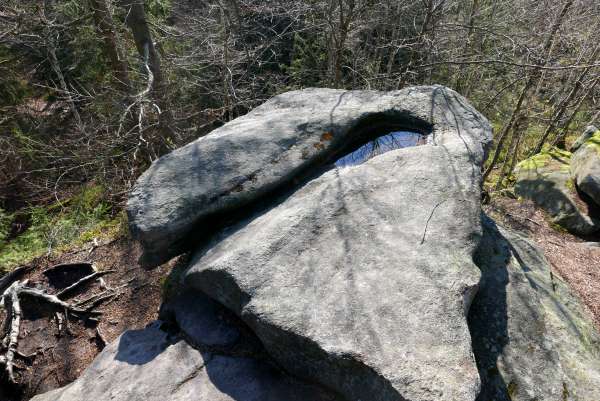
(545, 179)
(354, 283)
(320, 277)
(590, 130)
(532, 338)
(585, 165)
(183, 194)
(154, 364)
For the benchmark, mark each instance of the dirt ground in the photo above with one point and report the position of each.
(574, 259)
(54, 359)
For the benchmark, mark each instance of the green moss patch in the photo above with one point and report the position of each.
(544, 158)
(594, 141)
(59, 226)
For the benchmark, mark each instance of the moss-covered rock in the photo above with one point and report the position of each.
(532, 338)
(589, 132)
(544, 158)
(585, 167)
(545, 179)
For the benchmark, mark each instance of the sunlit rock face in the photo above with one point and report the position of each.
(585, 167)
(278, 144)
(361, 278)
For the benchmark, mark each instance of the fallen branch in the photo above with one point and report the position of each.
(101, 341)
(100, 300)
(82, 281)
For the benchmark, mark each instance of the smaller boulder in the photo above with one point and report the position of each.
(545, 179)
(211, 358)
(585, 166)
(532, 338)
(590, 130)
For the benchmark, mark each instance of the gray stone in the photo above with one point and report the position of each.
(532, 338)
(150, 365)
(183, 193)
(590, 130)
(585, 167)
(361, 279)
(545, 179)
(201, 319)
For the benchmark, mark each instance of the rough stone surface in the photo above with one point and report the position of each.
(151, 365)
(361, 279)
(546, 180)
(587, 134)
(585, 167)
(182, 193)
(532, 338)
(202, 320)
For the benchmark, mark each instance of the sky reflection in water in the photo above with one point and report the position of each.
(385, 143)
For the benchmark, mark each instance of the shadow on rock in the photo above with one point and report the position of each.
(488, 316)
(531, 338)
(136, 347)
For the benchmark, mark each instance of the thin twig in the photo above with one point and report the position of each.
(82, 281)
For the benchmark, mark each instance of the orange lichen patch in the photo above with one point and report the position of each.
(327, 136)
(319, 146)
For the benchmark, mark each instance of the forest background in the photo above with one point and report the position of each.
(92, 91)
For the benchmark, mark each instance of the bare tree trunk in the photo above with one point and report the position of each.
(63, 84)
(507, 127)
(225, 73)
(531, 82)
(51, 38)
(460, 83)
(106, 27)
(560, 139)
(338, 35)
(136, 20)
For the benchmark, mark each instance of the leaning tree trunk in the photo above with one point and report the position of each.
(560, 138)
(562, 107)
(137, 22)
(531, 82)
(507, 127)
(106, 28)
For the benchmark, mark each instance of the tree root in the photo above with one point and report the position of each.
(11, 300)
(89, 277)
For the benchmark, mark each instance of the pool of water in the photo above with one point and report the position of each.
(382, 144)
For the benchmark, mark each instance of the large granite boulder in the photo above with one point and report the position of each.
(361, 279)
(545, 179)
(160, 364)
(532, 338)
(186, 193)
(354, 283)
(585, 166)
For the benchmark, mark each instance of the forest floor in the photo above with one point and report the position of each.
(576, 260)
(57, 357)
